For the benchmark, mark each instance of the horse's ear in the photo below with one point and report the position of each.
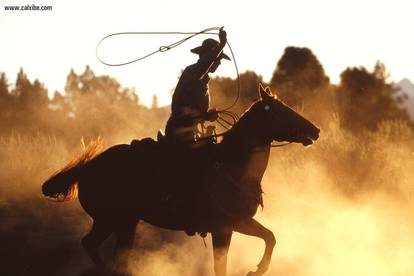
(261, 89)
(269, 91)
(264, 95)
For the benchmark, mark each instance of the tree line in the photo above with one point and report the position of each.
(93, 105)
(90, 106)
(361, 101)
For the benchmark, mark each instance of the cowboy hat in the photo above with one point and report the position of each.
(208, 45)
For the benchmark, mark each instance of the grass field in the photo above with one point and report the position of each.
(340, 207)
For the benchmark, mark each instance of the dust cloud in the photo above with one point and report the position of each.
(340, 207)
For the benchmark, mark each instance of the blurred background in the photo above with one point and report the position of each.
(340, 207)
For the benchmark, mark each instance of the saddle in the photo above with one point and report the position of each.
(189, 158)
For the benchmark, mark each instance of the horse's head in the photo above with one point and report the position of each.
(281, 122)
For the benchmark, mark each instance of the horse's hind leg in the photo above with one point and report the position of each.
(125, 235)
(91, 242)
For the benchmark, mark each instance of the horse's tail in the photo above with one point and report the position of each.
(62, 185)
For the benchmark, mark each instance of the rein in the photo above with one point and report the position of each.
(235, 118)
(225, 123)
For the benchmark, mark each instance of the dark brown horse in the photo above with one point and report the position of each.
(215, 189)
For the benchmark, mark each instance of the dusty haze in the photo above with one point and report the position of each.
(340, 207)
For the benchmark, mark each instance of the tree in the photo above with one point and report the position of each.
(100, 106)
(4, 86)
(366, 98)
(300, 81)
(298, 76)
(29, 104)
(5, 101)
(29, 95)
(22, 85)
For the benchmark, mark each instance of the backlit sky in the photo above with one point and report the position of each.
(341, 33)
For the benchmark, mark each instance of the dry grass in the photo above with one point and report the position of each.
(340, 207)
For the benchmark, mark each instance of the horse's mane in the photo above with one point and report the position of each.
(241, 123)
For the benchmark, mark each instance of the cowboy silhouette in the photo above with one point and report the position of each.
(190, 101)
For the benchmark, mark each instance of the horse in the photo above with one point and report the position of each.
(212, 189)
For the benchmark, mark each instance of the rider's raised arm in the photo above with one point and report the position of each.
(207, 59)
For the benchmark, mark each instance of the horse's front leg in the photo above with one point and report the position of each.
(221, 244)
(253, 228)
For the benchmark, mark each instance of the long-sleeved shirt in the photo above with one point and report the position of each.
(191, 93)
